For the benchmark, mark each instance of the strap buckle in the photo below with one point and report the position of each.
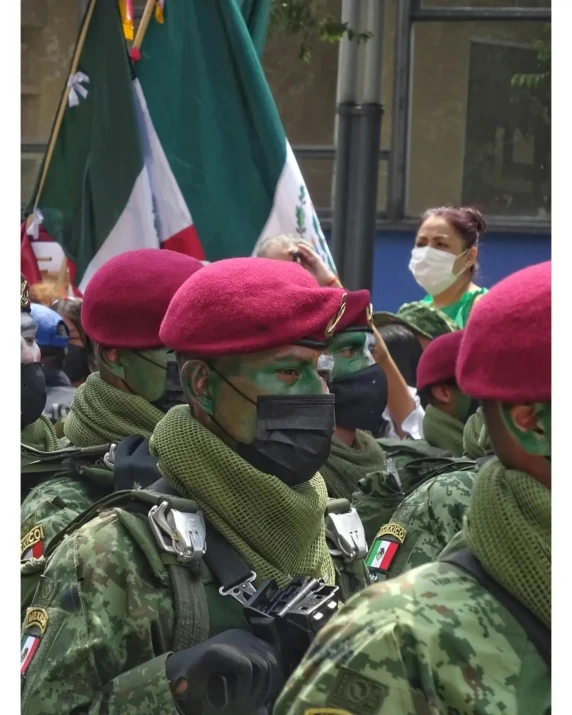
(109, 457)
(346, 535)
(186, 532)
(242, 592)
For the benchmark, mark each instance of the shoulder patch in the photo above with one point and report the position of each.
(385, 547)
(47, 589)
(32, 544)
(362, 695)
(37, 622)
(36, 618)
(393, 529)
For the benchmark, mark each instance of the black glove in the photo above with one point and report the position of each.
(234, 673)
(134, 464)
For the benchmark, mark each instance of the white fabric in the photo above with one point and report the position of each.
(412, 424)
(293, 211)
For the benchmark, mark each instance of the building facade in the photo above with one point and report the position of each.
(466, 120)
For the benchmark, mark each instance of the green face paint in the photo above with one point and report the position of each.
(143, 371)
(284, 371)
(532, 442)
(463, 406)
(351, 352)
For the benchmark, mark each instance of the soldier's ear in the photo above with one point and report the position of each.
(110, 359)
(195, 380)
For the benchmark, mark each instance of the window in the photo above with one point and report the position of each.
(473, 136)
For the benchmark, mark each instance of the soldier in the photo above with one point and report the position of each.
(123, 307)
(470, 634)
(448, 409)
(37, 430)
(247, 448)
(53, 339)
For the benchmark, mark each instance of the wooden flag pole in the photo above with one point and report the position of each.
(62, 107)
(135, 53)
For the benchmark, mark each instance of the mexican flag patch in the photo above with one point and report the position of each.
(32, 545)
(28, 646)
(385, 547)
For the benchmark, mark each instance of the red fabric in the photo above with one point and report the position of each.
(242, 305)
(506, 348)
(186, 241)
(126, 300)
(135, 54)
(28, 264)
(439, 359)
(355, 314)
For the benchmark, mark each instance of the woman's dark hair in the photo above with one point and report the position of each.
(466, 220)
(404, 348)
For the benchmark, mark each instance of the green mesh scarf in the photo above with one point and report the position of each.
(508, 527)
(278, 530)
(443, 431)
(40, 435)
(347, 465)
(101, 413)
(475, 437)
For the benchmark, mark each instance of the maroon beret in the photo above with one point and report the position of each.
(126, 300)
(242, 305)
(439, 359)
(506, 352)
(357, 314)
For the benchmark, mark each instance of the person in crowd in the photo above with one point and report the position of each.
(358, 377)
(53, 339)
(406, 334)
(80, 360)
(290, 247)
(444, 259)
(469, 633)
(124, 304)
(244, 453)
(36, 430)
(448, 408)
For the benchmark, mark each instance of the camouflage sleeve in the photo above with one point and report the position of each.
(48, 509)
(97, 635)
(429, 518)
(427, 643)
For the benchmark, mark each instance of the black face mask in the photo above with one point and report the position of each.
(361, 398)
(293, 435)
(76, 363)
(173, 394)
(32, 393)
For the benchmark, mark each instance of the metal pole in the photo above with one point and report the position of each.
(359, 246)
(400, 120)
(345, 102)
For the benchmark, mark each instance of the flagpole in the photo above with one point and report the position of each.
(62, 107)
(135, 53)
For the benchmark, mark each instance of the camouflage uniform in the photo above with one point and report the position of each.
(109, 610)
(421, 643)
(421, 318)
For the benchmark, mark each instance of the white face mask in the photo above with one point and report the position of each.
(433, 269)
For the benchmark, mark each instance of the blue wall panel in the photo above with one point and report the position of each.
(499, 255)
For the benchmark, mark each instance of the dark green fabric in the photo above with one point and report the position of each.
(443, 431)
(347, 465)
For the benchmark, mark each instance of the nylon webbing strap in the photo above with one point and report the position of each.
(191, 609)
(536, 631)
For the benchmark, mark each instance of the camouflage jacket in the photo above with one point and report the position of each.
(102, 620)
(68, 482)
(431, 642)
(423, 524)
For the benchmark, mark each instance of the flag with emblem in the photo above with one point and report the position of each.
(28, 646)
(381, 554)
(93, 194)
(214, 143)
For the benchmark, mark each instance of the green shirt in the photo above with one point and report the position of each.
(460, 310)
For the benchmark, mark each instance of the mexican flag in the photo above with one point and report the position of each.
(215, 144)
(181, 149)
(93, 194)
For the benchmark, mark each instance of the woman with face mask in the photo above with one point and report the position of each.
(444, 258)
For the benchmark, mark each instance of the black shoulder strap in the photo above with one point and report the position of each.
(536, 631)
(221, 558)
